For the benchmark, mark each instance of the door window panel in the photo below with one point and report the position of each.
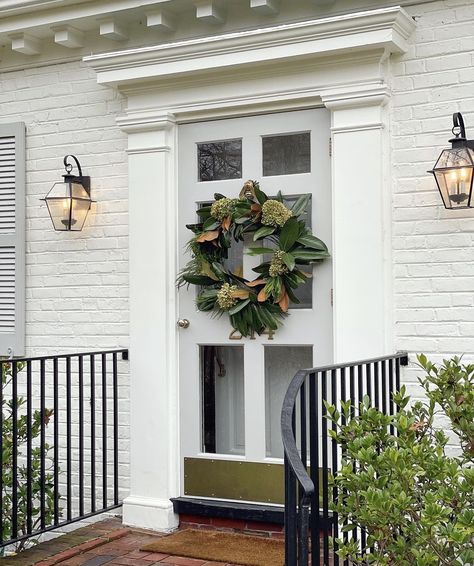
(220, 160)
(281, 364)
(222, 399)
(286, 154)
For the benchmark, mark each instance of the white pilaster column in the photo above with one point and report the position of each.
(154, 457)
(361, 222)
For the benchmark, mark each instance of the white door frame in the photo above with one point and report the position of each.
(339, 62)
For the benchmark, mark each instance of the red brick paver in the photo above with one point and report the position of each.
(105, 543)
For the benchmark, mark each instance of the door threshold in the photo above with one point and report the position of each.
(225, 509)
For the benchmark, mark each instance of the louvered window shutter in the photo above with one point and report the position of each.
(12, 239)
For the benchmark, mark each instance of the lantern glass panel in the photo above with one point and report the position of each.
(455, 157)
(80, 209)
(455, 186)
(68, 205)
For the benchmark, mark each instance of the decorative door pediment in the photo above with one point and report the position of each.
(384, 30)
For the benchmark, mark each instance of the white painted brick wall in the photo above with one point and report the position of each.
(433, 248)
(76, 283)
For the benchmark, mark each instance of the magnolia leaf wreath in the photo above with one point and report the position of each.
(261, 304)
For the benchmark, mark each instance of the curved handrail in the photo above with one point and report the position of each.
(288, 437)
(289, 402)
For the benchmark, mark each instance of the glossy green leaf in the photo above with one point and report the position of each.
(289, 261)
(239, 306)
(289, 234)
(263, 232)
(300, 205)
(311, 241)
(211, 224)
(309, 255)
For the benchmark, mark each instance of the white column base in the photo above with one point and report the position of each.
(147, 513)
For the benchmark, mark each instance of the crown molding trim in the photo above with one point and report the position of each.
(387, 29)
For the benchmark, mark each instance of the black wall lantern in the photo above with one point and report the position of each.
(455, 167)
(69, 202)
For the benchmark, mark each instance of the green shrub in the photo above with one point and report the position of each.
(22, 470)
(397, 482)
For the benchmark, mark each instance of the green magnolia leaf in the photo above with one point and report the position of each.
(211, 224)
(311, 241)
(293, 298)
(218, 196)
(300, 205)
(262, 232)
(239, 306)
(289, 234)
(219, 270)
(279, 197)
(261, 196)
(262, 268)
(289, 261)
(241, 220)
(198, 280)
(309, 255)
(259, 251)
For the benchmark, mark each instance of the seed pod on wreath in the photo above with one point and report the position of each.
(248, 191)
(261, 304)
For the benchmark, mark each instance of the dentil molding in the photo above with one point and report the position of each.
(384, 29)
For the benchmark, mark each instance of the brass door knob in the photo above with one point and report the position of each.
(183, 323)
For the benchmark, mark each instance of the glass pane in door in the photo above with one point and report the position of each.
(222, 399)
(281, 364)
(286, 154)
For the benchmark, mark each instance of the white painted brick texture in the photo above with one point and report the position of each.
(433, 248)
(76, 283)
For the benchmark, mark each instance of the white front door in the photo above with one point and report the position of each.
(231, 389)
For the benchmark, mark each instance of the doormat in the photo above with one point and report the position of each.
(221, 547)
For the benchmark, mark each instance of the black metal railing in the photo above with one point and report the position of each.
(311, 456)
(59, 440)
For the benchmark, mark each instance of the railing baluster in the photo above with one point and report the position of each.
(290, 517)
(115, 414)
(324, 441)
(92, 402)
(353, 413)
(384, 387)
(104, 430)
(334, 449)
(56, 440)
(42, 443)
(81, 434)
(29, 479)
(391, 403)
(376, 385)
(68, 439)
(314, 467)
(345, 535)
(368, 380)
(397, 374)
(14, 487)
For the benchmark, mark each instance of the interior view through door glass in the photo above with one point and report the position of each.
(222, 399)
(281, 364)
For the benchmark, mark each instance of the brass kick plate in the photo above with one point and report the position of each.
(229, 479)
